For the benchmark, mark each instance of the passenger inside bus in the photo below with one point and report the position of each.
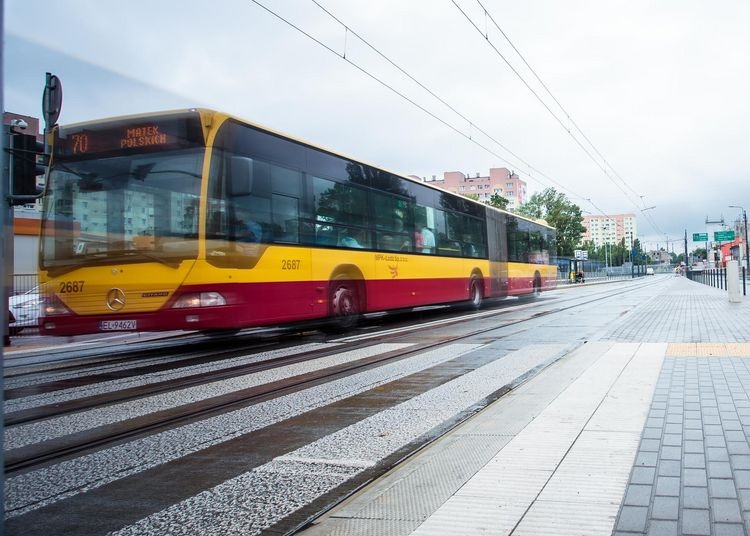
(245, 229)
(470, 249)
(427, 239)
(351, 239)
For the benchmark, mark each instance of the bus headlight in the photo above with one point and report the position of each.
(54, 306)
(199, 299)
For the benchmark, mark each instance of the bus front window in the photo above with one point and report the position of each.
(141, 207)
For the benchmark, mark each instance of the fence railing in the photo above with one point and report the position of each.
(23, 283)
(717, 277)
(605, 274)
(25, 309)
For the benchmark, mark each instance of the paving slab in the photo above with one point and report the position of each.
(647, 435)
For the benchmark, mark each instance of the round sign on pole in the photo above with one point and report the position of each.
(52, 100)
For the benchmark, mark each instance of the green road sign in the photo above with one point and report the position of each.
(723, 236)
(700, 237)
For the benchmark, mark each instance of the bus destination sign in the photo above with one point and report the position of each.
(127, 136)
(86, 142)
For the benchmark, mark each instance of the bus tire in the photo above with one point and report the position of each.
(344, 300)
(475, 293)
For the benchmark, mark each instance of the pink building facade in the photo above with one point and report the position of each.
(500, 181)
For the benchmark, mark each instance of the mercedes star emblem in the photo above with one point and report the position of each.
(115, 299)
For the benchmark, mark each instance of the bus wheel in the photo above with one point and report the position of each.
(344, 303)
(475, 293)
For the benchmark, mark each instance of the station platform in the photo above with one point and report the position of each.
(641, 431)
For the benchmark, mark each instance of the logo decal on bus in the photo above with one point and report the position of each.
(115, 299)
(394, 271)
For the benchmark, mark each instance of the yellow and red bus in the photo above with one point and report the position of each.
(197, 220)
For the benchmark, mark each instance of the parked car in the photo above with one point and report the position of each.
(649, 271)
(25, 309)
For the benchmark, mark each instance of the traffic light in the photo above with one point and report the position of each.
(25, 166)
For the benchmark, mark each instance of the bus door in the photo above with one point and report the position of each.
(497, 242)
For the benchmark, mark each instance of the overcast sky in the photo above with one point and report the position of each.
(660, 88)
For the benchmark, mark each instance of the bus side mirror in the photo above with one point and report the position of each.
(241, 169)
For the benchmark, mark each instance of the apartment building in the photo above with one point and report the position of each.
(610, 229)
(499, 181)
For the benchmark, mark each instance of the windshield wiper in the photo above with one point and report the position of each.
(97, 258)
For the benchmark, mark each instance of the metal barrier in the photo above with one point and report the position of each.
(24, 283)
(605, 274)
(717, 277)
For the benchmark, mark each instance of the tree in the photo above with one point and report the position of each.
(593, 251)
(498, 201)
(474, 197)
(637, 254)
(560, 213)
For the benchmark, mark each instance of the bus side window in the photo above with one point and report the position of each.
(339, 203)
(451, 248)
(424, 229)
(285, 218)
(394, 221)
(473, 237)
(287, 189)
(325, 235)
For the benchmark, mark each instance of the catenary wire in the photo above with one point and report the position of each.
(552, 96)
(549, 110)
(414, 103)
(432, 93)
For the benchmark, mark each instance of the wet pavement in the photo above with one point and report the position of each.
(642, 430)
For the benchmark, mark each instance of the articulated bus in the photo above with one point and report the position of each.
(196, 220)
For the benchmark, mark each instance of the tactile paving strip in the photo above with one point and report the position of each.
(708, 349)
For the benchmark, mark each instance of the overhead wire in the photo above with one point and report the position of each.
(528, 86)
(413, 102)
(603, 167)
(452, 127)
(552, 96)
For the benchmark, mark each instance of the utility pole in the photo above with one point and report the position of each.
(714, 258)
(687, 266)
(747, 246)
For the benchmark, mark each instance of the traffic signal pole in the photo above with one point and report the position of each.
(4, 185)
(7, 209)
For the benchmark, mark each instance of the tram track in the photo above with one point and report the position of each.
(149, 389)
(67, 446)
(289, 456)
(188, 356)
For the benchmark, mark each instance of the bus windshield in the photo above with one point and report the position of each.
(134, 208)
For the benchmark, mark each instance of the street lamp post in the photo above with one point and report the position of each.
(747, 246)
(606, 243)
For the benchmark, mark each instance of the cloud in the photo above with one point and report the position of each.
(659, 87)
